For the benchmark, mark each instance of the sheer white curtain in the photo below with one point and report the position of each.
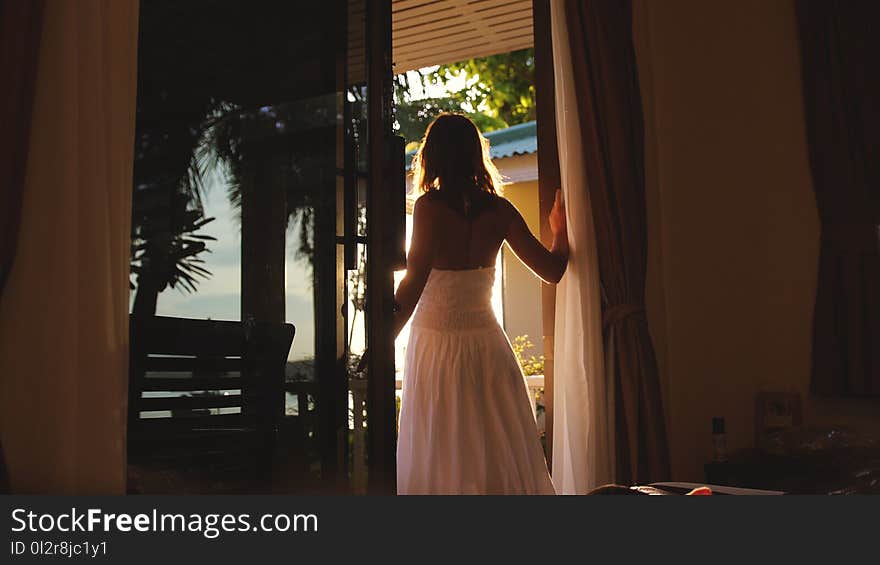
(64, 310)
(583, 431)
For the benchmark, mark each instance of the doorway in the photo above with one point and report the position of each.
(467, 38)
(270, 189)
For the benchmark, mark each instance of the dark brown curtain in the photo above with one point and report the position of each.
(20, 27)
(21, 24)
(606, 82)
(840, 46)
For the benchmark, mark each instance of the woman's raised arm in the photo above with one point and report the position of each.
(548, 264)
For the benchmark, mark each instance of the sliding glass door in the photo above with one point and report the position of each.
(263, 148)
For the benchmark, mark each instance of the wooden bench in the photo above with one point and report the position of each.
(206, 393)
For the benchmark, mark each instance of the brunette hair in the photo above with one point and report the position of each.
(454, 158)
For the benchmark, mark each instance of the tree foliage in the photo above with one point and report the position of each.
(498, 92)
(530, 364)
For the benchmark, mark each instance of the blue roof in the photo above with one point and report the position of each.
(521, 139)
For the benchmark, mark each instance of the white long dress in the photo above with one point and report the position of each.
(466, 424)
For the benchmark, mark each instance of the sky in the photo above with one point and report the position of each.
(417, 91)
(219, 296)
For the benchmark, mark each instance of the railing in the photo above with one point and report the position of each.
(536, 387)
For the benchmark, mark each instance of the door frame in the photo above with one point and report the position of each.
(549, 179)
(382, 242)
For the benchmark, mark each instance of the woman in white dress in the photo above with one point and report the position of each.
(466, 424)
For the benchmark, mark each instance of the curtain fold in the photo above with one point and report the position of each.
(64, 311)
(21, 24)
(610, 150)
(841, 88)
(583, 429)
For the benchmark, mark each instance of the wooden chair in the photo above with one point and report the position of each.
(206, 393)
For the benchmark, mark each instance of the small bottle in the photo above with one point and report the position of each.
(719, 440)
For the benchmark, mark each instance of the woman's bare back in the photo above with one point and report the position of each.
(461, 242)
(447, 236)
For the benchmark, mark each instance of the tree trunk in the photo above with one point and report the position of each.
(146, 297)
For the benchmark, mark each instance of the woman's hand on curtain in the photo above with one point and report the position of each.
(558, 227)
(557, 216)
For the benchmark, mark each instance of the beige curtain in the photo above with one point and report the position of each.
(583, 417)
(610, 139)
(64, 311)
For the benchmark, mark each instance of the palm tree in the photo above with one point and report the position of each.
(280, 150)
(191, 116)
(167, 209)
(166, 250)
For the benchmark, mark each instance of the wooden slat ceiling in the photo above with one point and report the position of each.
(435, 32)
(357, 61)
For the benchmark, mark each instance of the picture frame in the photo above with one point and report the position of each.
(777, 411)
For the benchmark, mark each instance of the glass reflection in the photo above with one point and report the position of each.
(244, 130)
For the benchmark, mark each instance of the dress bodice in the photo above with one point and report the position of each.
(457, 300)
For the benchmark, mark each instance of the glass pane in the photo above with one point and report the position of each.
(241, 134)
(355, 164)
